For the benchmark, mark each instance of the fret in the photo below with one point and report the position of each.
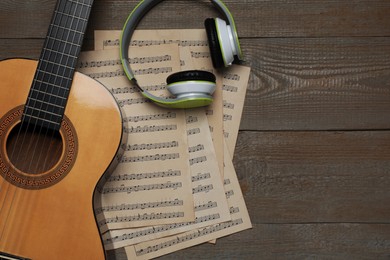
(37, 100)
(67, 29)
(39, 93)
(39, 112)
(46, 50)
(66, 35)
(53, 78)
(55, 75)
(63, 41)
(83, 4)
(57, 64)
(51, 84)
(71, 16)
(42, 122)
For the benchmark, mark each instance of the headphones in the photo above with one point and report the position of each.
(193, 88)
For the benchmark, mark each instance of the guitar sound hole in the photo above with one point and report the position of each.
(34, 150)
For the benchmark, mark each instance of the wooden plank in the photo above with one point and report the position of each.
(318, 84)
(300, 83)
(261, 18)
(309, 177)
(294, 241)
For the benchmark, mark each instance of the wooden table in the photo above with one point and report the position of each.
(313, 153)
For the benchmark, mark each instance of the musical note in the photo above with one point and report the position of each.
(209, 205)
(130, 189)
(132, 101)
(229, 194)
(201, 176)
(148, 158)
(149, 129)
(228, 105)
(196, 148)
(191, 119)
(159, 229)
(193, 131)
(126, 90)
(140, 118)
(188, 236)
(140, 176)
(232, 76)
(153, 146)
(120, 72)
(139, 217)
(198, 54)
(198, 160)
(229, 88)
(147, 205)
(227, 117)
(202, 188)
(234, 210)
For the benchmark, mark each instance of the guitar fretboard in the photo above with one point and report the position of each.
(50, 88)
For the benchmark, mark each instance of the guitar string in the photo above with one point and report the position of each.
(57, 73)
(19, 133)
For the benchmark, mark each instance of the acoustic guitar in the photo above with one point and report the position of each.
(59, 133)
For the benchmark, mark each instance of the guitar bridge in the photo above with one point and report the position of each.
(4, 256)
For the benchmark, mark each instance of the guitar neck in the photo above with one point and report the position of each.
(46, 102)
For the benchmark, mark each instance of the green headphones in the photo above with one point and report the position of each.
(193, 88)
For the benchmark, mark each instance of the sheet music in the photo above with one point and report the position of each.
(207, 187)
(238, 212)
(152, 183)
(196, 39)
(194, 52)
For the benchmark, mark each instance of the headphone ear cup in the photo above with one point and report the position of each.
(214, 44)
(192, 84)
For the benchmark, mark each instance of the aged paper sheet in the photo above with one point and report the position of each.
(156, 159)
(207, 187)
(194, 53)
(240, 221)
(184, 38)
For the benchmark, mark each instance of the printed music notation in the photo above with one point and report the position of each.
(140, 118)
(201, 176)
(206, 186)
(239, 214)
(136, 60)
(138, 217)
(193, 131)
(239, 221)
(155, 156)
(149, 129)
(137, 72)
(131, 89)
(140, 176)
(204, 232)
(159, 229)
(146, 205)
(150, 146)
(141, 43)
(130, 189)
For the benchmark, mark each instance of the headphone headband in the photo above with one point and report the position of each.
(194, 93)
(135, 17)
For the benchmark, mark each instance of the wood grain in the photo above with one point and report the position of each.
(313, 154)
(305, 177)
(301, 83)
(261, 18)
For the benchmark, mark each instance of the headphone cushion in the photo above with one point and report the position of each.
(191, 75)
(214, 44)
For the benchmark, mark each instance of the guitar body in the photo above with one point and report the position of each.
(48, 214)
